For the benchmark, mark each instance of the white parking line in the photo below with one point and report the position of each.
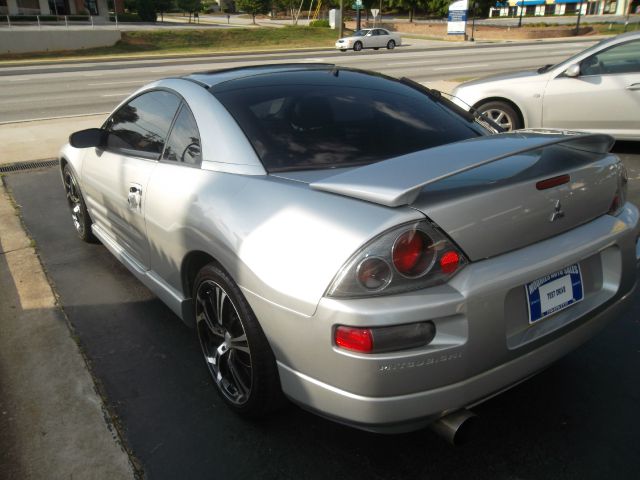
(459, 67)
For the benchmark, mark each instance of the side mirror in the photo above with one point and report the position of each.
(573, 71)
(92, 137)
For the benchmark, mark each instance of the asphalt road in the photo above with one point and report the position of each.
(46, 91)
(577, 420)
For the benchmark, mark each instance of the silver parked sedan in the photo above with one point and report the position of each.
(354, 242)
(375, 38)
(596, 90)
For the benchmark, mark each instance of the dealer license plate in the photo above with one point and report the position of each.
(554, 292)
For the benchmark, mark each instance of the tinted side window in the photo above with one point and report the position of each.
(183, 144)
(142, 124)
(623, 58)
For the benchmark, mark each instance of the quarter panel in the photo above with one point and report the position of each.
(277, 238)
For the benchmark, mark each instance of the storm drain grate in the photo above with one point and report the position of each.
(24, 166)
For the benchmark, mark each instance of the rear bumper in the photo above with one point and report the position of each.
(407, 412)
(484, 343)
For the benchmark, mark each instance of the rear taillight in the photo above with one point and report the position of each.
(413, 253)
(384, 339)
(406, 258)
(356, 339)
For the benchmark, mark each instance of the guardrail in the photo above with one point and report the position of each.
(65, 21)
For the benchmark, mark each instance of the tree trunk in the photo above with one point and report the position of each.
(254, 18)
(411, 16)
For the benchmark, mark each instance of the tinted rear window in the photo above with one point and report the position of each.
(331, 119)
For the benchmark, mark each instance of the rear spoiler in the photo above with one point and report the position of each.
(399, 180)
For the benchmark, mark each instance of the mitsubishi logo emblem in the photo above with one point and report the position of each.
(557, 213)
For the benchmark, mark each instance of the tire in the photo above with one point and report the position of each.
(79, 214)
(391, 44)
(236, 351)
(357, 46)
(502, 113)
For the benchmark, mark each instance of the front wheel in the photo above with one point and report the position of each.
(391, 45)
(501, 113)
(357, 46)
(79, 214)
(235, 349)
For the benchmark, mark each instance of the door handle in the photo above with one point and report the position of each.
(134, 198)
(634, 86)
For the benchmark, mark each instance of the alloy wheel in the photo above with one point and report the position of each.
(224, 342)
(500, 117)
(75, 201)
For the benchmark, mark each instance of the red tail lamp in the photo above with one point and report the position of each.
(357, 339)
(412, 253)
(449, 262)
(384, 339)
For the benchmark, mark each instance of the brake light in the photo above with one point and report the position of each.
(552, 182)
(413, 253)
(408, 257)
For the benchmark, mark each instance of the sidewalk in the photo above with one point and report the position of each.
(41, 139)
(53, 423)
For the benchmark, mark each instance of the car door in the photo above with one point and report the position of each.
(115, 177)
(368, 41)
(173, 205)
(383, 37)
(604, 97)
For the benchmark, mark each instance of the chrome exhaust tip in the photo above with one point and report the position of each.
(456, 428)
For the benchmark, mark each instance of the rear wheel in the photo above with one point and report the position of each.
(235, 349)
(502, 113)
(391, 44)
(79, 214)
(357, 46)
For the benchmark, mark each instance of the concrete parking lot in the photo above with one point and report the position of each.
(578, 419)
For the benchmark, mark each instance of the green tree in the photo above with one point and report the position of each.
(164, 6)
(254, 7)
(439, 8)
(189, 6)
(410, 5)
(147, 10)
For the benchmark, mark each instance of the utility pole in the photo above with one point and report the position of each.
(579, 14)
(340, 32)
(521, 10)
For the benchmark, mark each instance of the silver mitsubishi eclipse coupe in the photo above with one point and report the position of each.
(355, 243)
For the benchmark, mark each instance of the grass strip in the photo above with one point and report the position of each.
(199, 41)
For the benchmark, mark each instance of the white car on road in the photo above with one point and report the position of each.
(369, 38)
(596, 90)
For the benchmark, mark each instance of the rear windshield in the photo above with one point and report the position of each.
(331, 119)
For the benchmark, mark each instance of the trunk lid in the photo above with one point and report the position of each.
(483, 193)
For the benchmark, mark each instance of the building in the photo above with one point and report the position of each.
(511, 8)
(98, 8)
